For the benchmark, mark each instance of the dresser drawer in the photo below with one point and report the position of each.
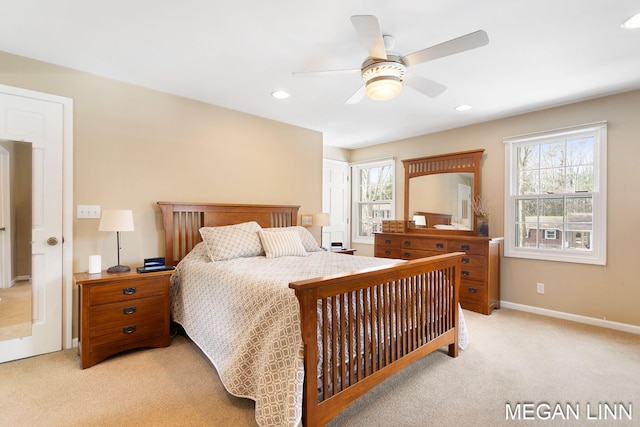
(472, 291)
(474, 261)
(388, 240)
(473, 273)
(124, 291)
(425, 244)
(470, 247)
(415, 254)
(386, 252)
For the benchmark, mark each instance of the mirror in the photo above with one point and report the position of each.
(439, 191)
(15, 239)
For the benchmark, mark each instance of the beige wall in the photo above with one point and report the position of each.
(133, 147)
(608, 292)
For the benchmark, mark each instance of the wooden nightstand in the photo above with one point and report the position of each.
(121, 311)
(346, 251)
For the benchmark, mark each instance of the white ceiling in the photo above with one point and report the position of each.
(235, 53)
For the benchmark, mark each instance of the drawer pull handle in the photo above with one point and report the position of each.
(407, 243)
(465, 260)
(129, 310)
(407, 254)
(465, 247)
(473, 290)
(464, 273)
(129, 291)
(387, 252)
(439, 245)
(387, 242)
(129, 329)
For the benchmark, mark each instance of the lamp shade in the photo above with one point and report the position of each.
(116, 220)
(321, 219)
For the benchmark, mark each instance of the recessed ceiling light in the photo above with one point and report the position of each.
(280, 94)
(632, 23)
(463, 107)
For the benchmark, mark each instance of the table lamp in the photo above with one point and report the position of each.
(117, 220)
(322, 220)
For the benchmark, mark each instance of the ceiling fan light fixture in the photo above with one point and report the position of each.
(383, 88)
(383, 79)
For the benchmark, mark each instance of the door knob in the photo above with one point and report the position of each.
(52, 241)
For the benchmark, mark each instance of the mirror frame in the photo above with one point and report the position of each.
(463, 161)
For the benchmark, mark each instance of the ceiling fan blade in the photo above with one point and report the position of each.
(424, 85)
(324, 72)
(457, 45)
(357, 96)
(370, 35)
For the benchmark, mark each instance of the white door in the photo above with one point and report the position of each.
(336, 196)
(26, 118)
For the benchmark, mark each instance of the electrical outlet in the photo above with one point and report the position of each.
(540, 288)
(88, 211)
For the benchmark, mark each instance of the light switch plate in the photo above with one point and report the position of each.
(88, 211)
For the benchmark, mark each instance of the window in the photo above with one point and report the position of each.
(555, 195)
(373, 189)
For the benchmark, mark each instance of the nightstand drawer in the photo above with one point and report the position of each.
(125, 331)
(126, 290)
(126, 311)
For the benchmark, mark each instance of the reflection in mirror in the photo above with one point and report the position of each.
(442, 200)
(439, 190)
(15, 239)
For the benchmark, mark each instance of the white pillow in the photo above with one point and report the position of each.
(308, 241)
(232, 241)
(281, 243)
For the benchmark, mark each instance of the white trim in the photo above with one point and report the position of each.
(598, 256)
(67, 203)
(355, 195)
(603, 323)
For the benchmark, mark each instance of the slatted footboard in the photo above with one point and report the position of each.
(359, 329)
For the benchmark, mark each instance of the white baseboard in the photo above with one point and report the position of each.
(573, 317)
(74, 343)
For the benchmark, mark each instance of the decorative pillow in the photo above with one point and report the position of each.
(282, 243)
(232, 241)
(308, 241)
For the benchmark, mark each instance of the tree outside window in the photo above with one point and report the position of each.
(373, 198)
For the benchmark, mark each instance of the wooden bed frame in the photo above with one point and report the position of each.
(367, 324)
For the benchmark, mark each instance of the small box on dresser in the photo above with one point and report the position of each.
(121, 311)
(480, 274)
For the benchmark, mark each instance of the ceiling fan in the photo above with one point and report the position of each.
(384, 71)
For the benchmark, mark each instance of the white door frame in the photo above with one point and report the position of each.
(5, 219)
(67, 202)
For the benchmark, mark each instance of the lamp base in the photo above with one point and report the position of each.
(118, 269)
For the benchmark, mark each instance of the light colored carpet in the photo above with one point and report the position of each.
(512, 357)
(15, 311)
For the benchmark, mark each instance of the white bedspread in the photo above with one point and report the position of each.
(244, 317)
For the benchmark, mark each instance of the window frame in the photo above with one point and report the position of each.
(598, 254)
(355, 191)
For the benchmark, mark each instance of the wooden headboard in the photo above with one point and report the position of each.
(181, 222)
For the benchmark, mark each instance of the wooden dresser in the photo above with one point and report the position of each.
(480, 275)
(121, 311)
